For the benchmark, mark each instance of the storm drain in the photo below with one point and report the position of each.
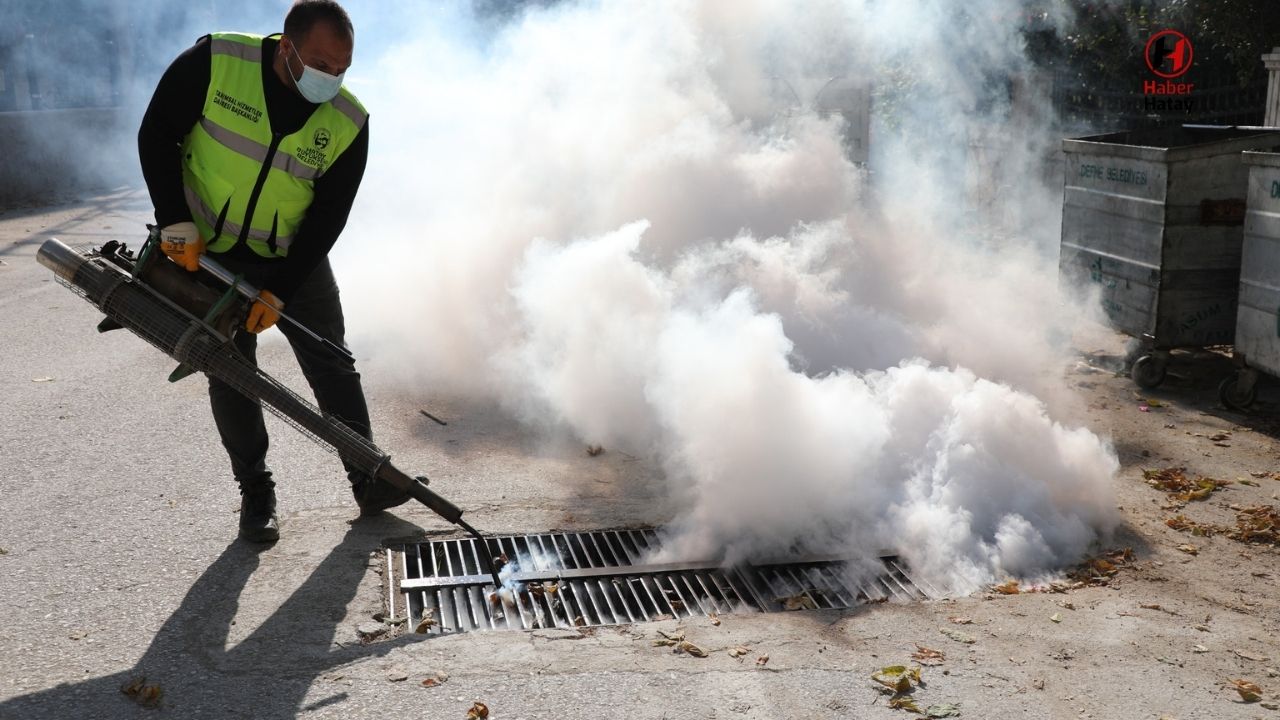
(567, 580)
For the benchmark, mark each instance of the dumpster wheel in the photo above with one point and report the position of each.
(1148, 371)
(1238, 391)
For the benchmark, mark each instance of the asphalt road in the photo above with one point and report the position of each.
(117, 525)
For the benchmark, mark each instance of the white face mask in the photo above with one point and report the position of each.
(315, 86)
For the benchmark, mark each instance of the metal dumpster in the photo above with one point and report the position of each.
(1153, 219)
(1257, 345)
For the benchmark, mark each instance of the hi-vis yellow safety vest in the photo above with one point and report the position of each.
(243, 183)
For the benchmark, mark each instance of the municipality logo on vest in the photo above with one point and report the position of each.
(315, 155)
(1168, 54)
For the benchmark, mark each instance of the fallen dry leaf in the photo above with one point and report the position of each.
(1009, 587)
(902, 702)
(897, 679)
(478, 711)
(131, 687)
(150, 695)
(960, 620)
(669, 639)
(426, 623)
(1189, 549)
(687, 647)
(1056, 617)
(762, 660)
(927, 656)
(798, 602)
(140, 692)
(1096, 571)
(1257, 524)
(435, 680)
(1182, 489)
(943, 710)
(737, 652)
(715, 620)
(1249, 692)
(1182, 523)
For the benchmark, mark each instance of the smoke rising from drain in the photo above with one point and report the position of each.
(608, 215)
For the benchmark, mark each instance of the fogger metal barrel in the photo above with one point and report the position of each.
(191, 342)
(108, 282)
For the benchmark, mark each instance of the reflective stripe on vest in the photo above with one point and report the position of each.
(229, 228)
(219, 46)
(224, 154)
(255, 150)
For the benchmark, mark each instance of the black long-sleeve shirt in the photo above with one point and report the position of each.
(178, 104)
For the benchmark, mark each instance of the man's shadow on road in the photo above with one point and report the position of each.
(267, 674)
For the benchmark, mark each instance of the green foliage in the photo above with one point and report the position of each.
(1107, 38)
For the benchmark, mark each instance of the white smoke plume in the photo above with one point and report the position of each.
(600, 214)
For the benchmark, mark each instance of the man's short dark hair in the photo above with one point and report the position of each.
(306, 13)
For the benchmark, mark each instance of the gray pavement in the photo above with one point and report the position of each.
(117, 523)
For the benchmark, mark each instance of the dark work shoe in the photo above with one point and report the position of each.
(373, 496)
(258, 520)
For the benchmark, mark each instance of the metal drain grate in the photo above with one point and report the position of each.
(595, 578)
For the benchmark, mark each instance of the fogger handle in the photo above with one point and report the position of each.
(215, 268)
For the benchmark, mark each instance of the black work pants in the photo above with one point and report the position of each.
(333, 379)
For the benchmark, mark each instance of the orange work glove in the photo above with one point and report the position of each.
(183, 244)
(264, 313)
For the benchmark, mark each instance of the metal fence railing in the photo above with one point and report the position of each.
(1218, 99)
